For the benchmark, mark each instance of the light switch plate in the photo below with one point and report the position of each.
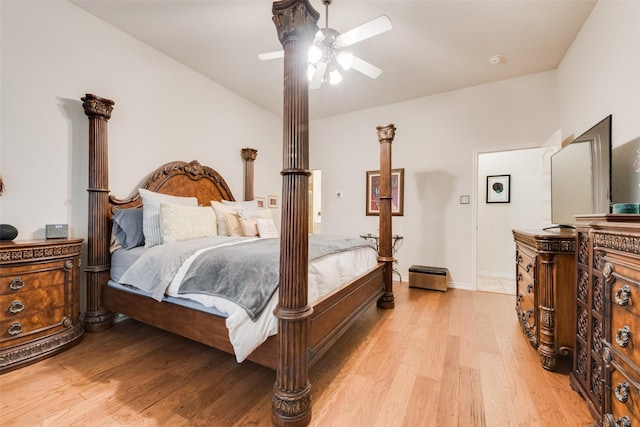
(464, 200)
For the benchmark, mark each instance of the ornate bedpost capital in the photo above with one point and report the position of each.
(386, 133)
(249, 154)
(96, 107)
(295, 19)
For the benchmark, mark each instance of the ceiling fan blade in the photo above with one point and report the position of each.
(369, 29)
(365, 68)
(316, 80)
(271, 55)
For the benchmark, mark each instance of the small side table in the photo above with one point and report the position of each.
(396, 243)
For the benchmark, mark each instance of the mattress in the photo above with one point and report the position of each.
(326, 274)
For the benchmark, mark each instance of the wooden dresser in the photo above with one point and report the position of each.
(606, 366)
(545, 275)
(39, 299)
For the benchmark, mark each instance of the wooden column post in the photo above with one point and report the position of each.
(98, 110)
(385, 250)
(295, 22)
(248, 155)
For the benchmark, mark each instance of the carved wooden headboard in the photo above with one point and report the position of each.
(180, 179)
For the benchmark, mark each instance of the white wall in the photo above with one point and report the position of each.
(52, 54)
(600, 74)
(435, 142)
(496, 255)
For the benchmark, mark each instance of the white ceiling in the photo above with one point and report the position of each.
(434, 46)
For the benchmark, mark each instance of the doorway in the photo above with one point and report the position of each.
(527, 207)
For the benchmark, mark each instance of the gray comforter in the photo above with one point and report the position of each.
(248, 274)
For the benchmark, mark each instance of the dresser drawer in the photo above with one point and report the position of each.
(22, 278)
(624, 397)
(28, 328)
(526, 282)
(527, 316)
(625, 332)
(526, 259)
(22, 304)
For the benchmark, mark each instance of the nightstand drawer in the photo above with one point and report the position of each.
(28, 328)
(23, 304)
(33, 276)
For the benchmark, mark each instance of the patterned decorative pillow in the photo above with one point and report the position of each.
(187, 222)
(151, 222)
(232, 222)
(267, 228)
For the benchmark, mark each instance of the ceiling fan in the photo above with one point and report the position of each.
(327, 55)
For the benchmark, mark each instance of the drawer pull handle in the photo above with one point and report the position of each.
(529, 312)
(622, 391)
(14, 329)
(622, 295)
(529, 288)
(610, 421)
(622, 336)
(16, 283)
(529, 267)
(16, 307)
(518, 277)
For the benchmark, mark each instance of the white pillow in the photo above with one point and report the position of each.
(247, 204)
(151, 223)
(187, 222)
(255, 213)
(266, 228)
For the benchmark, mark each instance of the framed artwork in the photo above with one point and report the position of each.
(397, 192)
(498, 189)
(261, 202)
(272, 202)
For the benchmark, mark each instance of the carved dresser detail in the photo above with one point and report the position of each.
(545, 289)
(39, 299)
(606, 367)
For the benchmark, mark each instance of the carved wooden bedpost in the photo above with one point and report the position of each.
(295, 22)
(248, 155)
(98, 110)
(385, 251)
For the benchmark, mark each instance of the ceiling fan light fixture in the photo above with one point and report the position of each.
(311, 71)
(334, 76)
(315, 54)
(345, 59)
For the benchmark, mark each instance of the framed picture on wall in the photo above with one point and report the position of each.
(498, 189)
(272, 202)
(397, 192)
(261, 202)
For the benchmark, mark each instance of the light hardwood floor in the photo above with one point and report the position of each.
(438, 359)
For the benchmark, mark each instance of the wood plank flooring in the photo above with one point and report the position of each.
(438, 359)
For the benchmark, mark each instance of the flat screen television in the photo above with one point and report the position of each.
(581, 176)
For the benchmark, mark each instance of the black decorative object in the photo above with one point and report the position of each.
(8, 232)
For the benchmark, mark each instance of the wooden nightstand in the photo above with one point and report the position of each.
(39, 300)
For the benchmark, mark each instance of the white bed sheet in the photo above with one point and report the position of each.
(326, 274)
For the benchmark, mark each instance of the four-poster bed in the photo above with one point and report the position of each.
(304, 332)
